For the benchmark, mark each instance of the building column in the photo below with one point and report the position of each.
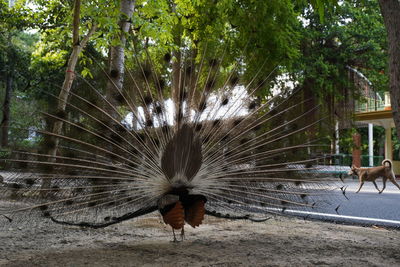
(371, 144)
(388, 143)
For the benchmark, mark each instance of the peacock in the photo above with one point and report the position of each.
(209, 144)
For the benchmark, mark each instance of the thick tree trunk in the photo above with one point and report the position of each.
(5, 122)
(390, 10)
(117, 55)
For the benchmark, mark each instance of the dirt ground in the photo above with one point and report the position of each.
(279, 241)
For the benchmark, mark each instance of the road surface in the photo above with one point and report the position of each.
(366, 207)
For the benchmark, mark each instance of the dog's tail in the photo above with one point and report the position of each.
(387, 161)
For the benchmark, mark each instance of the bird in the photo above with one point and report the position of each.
(210, 146)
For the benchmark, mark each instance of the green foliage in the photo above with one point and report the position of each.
(54, 21)
(320, 6)
(16, 56)
(396, 145)
(262, 34)
(15, 18)
(346, 142)
(352, 35)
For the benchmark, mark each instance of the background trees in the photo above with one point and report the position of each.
(316, 49)
(16, 47)
(350, 36)
(350, 41)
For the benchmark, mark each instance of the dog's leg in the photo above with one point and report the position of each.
(376, 186)
(393, 180)
(361, 184)
(384, 184)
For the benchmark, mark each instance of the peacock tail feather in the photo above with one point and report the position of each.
(208, 144)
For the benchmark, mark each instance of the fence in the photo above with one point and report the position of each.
(377, 102)
(347, 159)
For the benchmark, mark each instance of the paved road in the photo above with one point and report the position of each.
(366, 207)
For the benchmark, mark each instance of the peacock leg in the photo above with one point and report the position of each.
(183, 233)
(173, 232)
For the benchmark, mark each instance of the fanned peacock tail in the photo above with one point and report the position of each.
(210, 145)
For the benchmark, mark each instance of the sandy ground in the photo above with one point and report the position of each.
(147, 242)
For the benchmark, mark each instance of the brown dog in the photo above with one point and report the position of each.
(371, 174)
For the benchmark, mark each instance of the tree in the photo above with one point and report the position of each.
(116, 53)
(261, 33)
(14, 57)
(78, 45)
(10, 68)
(390, 10)
(351, 36)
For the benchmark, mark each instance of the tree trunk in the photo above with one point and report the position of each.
(191, 99)
(69, 78)
(66, 87)
(116, 70)
(390, 10)
(176, 82)
(70, 72)
(176, 85)
(117, 55)
(5, 122)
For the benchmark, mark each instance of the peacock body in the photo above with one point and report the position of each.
(209, 146)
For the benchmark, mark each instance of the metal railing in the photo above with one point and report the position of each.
(376, 103)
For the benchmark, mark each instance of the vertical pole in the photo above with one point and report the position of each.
(337, 150)
(388, 143)
(357, 150)
(387, 105)
(371, 144)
